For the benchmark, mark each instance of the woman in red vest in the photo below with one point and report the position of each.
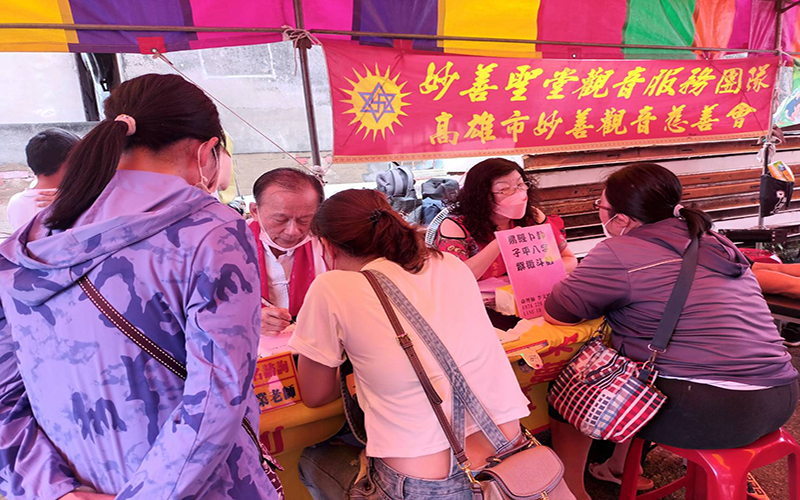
(289, 258)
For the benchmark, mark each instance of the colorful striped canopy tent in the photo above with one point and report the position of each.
(621, 27)
(581, 29)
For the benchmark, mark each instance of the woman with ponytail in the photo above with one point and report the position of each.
(90, 414)
(409, 456)
(726, 374)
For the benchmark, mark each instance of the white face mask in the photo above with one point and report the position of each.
(204, 184)
(514, 206)
(268, 243)
(605, 228)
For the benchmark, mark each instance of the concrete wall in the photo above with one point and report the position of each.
(259, 83)
(39, 87)
(15, 137)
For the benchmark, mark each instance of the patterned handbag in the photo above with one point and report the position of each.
(608, 396)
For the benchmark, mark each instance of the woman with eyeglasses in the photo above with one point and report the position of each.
(727, 377)
(497, 195)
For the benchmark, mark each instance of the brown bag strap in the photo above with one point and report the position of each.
(433, 397)
(143, 341)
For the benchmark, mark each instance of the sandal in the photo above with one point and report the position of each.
(603, 473)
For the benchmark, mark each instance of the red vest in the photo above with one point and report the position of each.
(303, 272)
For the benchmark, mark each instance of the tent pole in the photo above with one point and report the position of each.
(404, 36)
(768, 139)
(303, 45)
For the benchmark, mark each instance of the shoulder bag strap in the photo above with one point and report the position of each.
(433, 397)
(408, 347)
(441, 354)
(677, 299)
(150, 347)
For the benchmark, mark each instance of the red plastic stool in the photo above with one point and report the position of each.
(720, 474)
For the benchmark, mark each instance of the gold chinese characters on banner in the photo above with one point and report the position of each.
(393, 104)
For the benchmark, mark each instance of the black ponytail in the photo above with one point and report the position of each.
(89, 167)
(698, 222)
(361, 223)
(649, 193)
(165, 108)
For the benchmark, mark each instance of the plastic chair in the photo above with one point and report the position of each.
(718, 474)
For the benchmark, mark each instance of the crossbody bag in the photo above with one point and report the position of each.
(526, 470)
(608, 396)
(168, 360)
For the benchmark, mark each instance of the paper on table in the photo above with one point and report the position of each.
(523, 326)
(534, 265)
(271, 345)
(489, 285)
(506, 335)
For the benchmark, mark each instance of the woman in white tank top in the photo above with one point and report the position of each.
(409, 456)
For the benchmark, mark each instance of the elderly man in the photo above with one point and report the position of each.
(289, 257)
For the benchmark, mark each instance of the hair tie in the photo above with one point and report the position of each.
(129, 121)
(677, 210)
(375, 216)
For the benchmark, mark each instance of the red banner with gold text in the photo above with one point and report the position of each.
(393, 104)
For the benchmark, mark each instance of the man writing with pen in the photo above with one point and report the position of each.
(289, 257)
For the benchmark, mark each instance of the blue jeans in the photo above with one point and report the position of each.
(329, 472)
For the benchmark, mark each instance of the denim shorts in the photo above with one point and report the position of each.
(329, 471)
(384, 483)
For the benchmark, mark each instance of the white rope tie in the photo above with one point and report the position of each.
(296, 35)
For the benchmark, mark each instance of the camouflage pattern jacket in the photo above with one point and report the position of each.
(82, 405)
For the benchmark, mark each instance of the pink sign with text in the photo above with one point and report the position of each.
(534, 265)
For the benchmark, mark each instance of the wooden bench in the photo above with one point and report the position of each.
(723, 194)
(783, 308)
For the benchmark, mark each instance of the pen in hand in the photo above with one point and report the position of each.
(276, 313)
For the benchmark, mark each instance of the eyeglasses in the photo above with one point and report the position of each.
(508, 191)
(598, 204)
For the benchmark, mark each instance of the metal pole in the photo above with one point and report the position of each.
(132, 27)
(768, 139)
(405, 36)
(409, 36)
(303, 46)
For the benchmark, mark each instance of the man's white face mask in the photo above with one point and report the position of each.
(268, 243)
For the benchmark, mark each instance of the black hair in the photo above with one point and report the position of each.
(649, 192)
(47, 150)
(475, 200)
(291, 179)
(166, 109)
(361, 223)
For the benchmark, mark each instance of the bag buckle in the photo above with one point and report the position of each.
(404, 340)
(656, 350)
(651, 361)
(533, 441)
(466, 468)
